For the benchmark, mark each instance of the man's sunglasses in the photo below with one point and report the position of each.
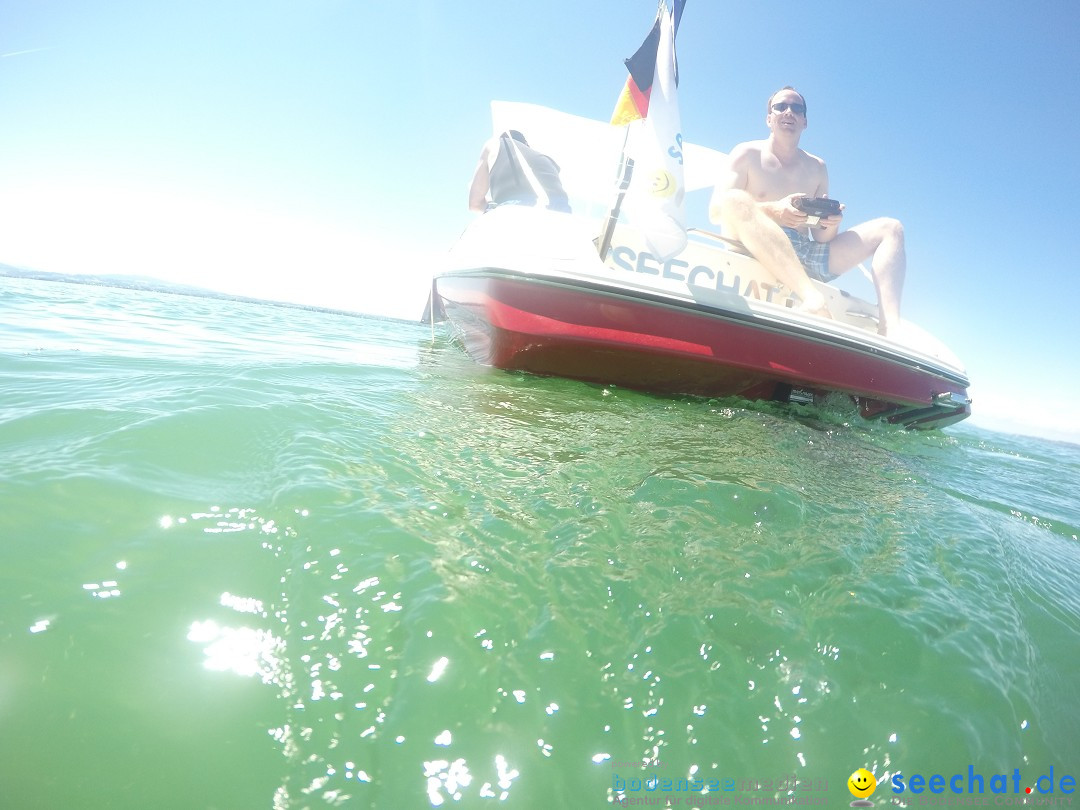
(784, 106)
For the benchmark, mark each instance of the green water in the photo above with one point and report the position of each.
(260, 557)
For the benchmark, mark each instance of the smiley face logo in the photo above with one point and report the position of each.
(861, 783)
(663, 184)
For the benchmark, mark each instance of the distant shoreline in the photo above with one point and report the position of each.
(149, 284)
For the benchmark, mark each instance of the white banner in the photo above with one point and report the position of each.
(655, 203)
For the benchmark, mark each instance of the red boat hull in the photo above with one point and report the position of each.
(602, 334)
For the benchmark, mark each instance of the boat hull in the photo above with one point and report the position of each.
(601, 332)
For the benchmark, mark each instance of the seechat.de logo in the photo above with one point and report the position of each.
(975, 783)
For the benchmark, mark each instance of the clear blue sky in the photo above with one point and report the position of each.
(320, 150)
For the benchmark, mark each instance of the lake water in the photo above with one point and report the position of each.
(255, 556)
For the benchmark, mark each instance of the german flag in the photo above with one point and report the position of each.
(633, 103)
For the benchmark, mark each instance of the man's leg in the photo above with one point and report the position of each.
(884, 240)
(767, 243)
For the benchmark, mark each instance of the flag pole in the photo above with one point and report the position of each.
(622, 181)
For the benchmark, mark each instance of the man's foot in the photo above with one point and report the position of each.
(815, 305)
(890, 327)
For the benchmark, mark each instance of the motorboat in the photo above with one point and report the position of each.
(528, 289)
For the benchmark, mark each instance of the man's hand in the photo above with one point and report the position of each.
(807, 220)
(832, 222)
(784, 213)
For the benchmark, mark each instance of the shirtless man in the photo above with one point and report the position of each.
(753, 202)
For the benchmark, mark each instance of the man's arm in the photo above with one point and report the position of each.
(736, 174)
(479, 188)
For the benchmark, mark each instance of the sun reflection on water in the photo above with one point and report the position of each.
(242, 650)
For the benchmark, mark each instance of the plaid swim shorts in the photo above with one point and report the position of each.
(813, 255)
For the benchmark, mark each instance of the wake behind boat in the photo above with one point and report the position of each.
(590, 296)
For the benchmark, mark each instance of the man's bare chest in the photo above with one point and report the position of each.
(773, 181)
